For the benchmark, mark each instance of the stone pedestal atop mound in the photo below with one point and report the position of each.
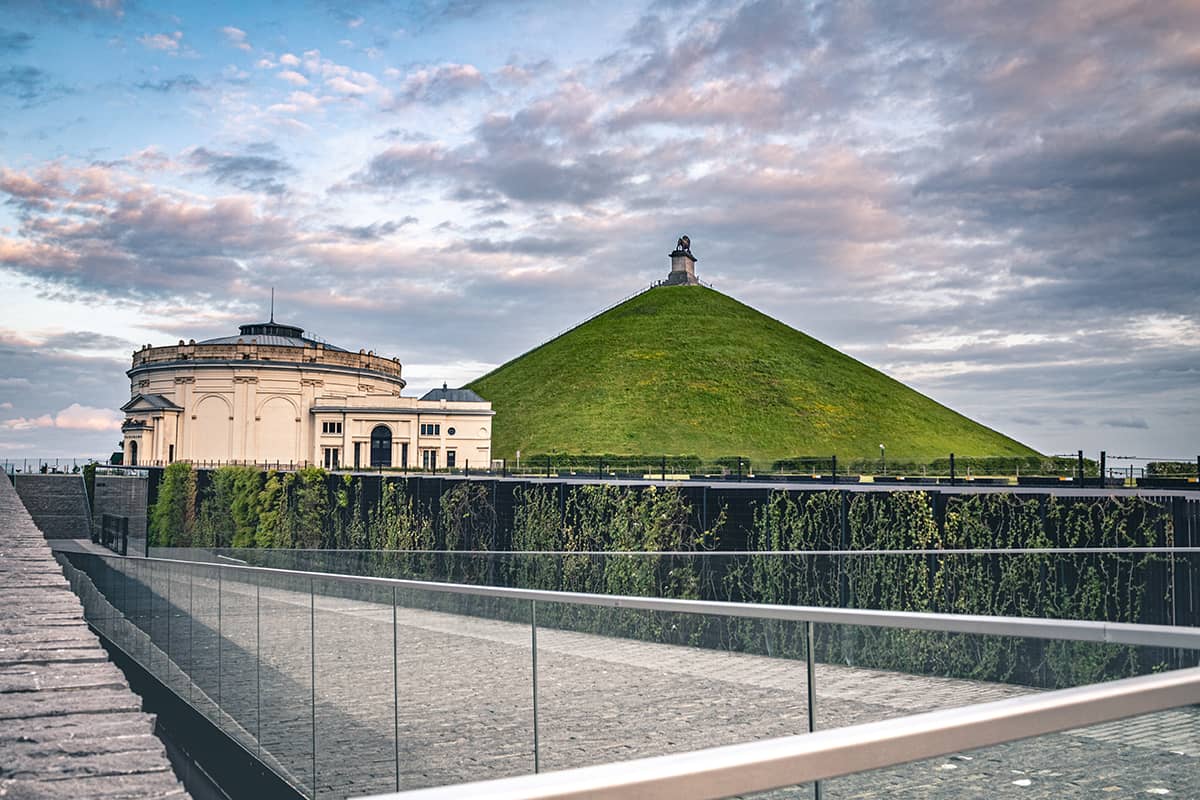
(683, 265)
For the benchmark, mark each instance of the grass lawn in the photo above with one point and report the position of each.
(688, 370)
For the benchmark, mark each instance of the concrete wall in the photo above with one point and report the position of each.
(124, 496)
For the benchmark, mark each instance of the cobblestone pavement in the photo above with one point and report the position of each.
(69, 725)
(456, 704)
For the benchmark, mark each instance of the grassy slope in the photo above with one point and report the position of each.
(687, 370)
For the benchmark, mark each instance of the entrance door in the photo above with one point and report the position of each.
(381, 446)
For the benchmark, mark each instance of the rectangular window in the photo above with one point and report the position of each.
(332, 457)
(449, 459)
(430, 429)
(171, 454)
(429, 459)
(331, 428)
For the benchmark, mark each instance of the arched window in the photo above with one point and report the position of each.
(133, 453)
(381, 446)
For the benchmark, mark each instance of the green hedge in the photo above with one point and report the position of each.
(587, 530)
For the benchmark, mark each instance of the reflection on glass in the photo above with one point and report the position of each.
(1151, 755)
(616, 684)
(285, 676)
(355, 688)
(465, 700)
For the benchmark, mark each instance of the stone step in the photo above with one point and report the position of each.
(57, 503)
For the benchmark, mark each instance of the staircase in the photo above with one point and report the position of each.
(57, 503)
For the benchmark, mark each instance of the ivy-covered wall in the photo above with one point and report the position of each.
(587, 538)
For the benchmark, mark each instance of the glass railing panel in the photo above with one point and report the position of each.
(205, 645)
(356, 679)
(179, 629)
(465, 701)
(617, 683)
(158, 588)
(240, 627)
(118, 592)
(285, 677)
(867, 674)
(1149, 755)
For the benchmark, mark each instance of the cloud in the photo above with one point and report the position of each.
(180, 83)
(14, 41)
(29, 84)
(440, 84)
(253, 172)
(99, 229)
(374, 231)
(85, 418)
(1136, 423)
(236, 37)
(26, 424)
(293, 77)
(86, 340)
(289, 60)
(74, 417)
(166, 42)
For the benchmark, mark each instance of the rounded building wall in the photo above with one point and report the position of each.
(290, 406)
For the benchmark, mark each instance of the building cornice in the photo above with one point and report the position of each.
(411, 412)
(289, 366)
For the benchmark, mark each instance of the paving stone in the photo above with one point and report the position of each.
(69, 725)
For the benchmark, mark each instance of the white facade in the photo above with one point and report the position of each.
(270, 396)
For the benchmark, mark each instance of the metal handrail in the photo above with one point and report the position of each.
(1029, 551)
(1029, 627)
(722, 772)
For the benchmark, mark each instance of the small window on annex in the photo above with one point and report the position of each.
(430, 429)
(331, 428)
(381, 446)
(450, 459)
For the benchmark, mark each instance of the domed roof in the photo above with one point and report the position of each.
(274, 334)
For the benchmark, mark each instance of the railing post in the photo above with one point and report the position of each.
(312, 643)
(396, 687)
(219, 636)
(258, 664)
(812, 692)
(952, 469)
(533, 649)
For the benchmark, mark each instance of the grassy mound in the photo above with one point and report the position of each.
(685, 369)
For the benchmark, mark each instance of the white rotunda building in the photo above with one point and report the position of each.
(270, 395)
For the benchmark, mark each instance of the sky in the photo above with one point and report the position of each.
(995, 203)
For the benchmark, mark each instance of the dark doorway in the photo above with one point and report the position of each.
(381, 446)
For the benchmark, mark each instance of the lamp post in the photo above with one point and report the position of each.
(882, 461)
